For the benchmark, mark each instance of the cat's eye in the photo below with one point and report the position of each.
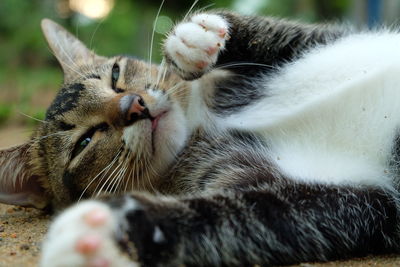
(114, 78)
(83, 144)
(85, 139)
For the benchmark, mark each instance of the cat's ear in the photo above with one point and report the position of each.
(18, 184)
(69, 51)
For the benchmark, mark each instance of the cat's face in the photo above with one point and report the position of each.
(115, 125)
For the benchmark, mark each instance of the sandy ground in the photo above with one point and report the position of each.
(21, 233)
(22, 229)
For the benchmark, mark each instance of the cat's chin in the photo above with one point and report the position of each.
(168, 137)
(160, 139)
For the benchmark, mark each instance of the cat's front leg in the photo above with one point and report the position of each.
(107, 233)
(192, 48)
(85, 235)
(265, 227)
(246, 45)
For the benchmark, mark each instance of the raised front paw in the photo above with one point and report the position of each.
(85, 235)
(192, 48)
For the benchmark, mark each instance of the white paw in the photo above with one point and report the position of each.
(84, 235)
(194, 46)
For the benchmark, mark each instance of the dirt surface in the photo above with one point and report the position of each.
(22, 229)
(21, 233)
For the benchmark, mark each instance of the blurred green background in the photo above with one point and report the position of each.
(30, 76)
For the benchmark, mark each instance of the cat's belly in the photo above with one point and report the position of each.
(346, 138)
(334, 115)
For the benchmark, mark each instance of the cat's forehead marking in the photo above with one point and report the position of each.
(131, 69)
(65, 126)
(93, 76)
(66, 100)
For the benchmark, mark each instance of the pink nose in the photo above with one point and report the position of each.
(137, 105)
(133, 108)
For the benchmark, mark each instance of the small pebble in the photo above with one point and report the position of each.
(13, 253)
(24, 247)
(1, 239)
(10, 210)
(14, 235)
(1, 228)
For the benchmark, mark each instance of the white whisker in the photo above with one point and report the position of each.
(190, 9)
(105, 169)
(152, 39)
(33, 118)
(95, 31)
(108, 179)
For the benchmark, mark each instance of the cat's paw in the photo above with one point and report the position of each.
(84, 235)
(193, 46)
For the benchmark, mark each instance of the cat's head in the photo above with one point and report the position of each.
(112, 127)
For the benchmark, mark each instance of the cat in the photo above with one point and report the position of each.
(259, 142)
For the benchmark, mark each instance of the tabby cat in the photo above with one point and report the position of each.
(259, 141)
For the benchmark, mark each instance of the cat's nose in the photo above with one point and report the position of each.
(133, 108)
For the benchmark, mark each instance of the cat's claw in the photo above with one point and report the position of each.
(193, 46)
(84, 235)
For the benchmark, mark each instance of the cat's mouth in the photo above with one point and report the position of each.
(156, 119)
(154, 125)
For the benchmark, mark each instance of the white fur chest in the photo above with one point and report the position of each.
(333, 115)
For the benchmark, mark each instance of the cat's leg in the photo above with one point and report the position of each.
(193, 47)
(242, 44)
(85, 235)
(266, 227)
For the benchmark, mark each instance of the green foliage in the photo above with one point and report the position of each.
(5, 112)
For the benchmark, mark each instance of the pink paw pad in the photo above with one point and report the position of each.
(96, 217)
(222, 32)
(88, 244)
(201, 64)
(212, 50)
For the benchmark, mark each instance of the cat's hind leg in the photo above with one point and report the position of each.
(85, 235)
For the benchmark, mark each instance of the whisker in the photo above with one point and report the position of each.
(152, 39)
(102, 171)
(133, 177)
(161, 73)
(70, 59)
(238, 64)
(33, 118)
(149, 168)
(175, 88)
(95, 31)
(108, 179)
(190, 9)
(130, 176)
(114, 178)
(36, 139)
(105, 174)
(122, 179)
(201, 9)
(140, 186)
(122, 174)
